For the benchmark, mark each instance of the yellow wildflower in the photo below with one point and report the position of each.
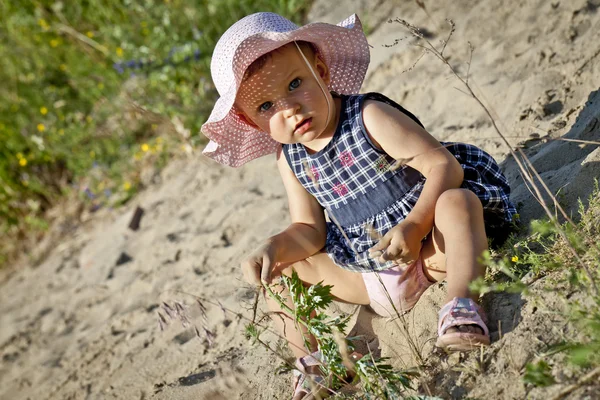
(44, 110)
(41, 127)
(92, 154)
(145, 147)
(54, 43)
(63, 67)
(19, 155)
(22, 162)
(515, 259)
(126, 185)
(100, 85)
(43, 23)
(89, 34)
(61, 132)
(88, 118)
(119, 51)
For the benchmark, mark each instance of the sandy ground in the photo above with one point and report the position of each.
(82, 323)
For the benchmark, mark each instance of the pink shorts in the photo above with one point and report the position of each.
(404, 291)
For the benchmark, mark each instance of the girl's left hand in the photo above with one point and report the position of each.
(401, 244)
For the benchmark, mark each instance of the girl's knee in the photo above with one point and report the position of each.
(311, 270)
(458, 199)
(300, 267)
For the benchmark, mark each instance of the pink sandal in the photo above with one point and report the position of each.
(314, 386)
(461, 311)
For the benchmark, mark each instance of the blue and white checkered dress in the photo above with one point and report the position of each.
(365, 197)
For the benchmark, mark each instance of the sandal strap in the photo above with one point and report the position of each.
(309, 360)
(302, 383)
(461, 311)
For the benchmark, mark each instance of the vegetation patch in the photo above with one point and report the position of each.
(98, 94)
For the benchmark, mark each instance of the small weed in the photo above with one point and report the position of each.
(538, 374)
(378, 379)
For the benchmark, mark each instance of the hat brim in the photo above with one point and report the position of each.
(344, 49)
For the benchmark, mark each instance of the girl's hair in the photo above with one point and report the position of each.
(260, 62)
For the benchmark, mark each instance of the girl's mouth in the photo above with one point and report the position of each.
(303, 126)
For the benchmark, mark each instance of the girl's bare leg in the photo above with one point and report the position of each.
(348, 287)
(452, 252)
(456, 245)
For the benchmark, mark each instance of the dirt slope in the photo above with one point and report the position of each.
(82, 324)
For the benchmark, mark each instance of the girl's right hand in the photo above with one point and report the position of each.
(258, 266)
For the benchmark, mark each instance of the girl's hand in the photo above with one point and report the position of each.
(401, 244)
(258, 266)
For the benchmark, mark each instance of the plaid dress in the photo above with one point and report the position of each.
(365, 196)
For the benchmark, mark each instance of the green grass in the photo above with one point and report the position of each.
(542, 253)
(95, 91)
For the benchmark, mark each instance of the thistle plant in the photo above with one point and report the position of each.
(379, 379)
(308, 304)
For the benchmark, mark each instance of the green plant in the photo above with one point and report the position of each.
(379, 380)
(97, 93)
(544, 252)
(538, 374)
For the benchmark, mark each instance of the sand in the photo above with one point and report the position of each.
(81, 323)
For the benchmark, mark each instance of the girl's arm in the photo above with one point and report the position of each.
(307, 233)
(304, 237)
(403, 139)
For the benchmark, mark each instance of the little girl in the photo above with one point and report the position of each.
(400, 203)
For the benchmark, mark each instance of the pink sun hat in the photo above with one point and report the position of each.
(344, 49)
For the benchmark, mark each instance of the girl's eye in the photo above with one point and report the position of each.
(295, 83)
(265, 106)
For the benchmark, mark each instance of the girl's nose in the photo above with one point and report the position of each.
(291, 109)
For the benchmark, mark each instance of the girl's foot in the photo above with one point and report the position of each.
(308, 381)
(461, 326)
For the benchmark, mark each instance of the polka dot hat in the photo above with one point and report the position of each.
(344, 49)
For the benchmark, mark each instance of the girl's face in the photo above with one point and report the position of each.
(284, 99)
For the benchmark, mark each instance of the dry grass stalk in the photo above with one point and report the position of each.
(178, 311)
(526, 168)
(589, 377)
(400, 316)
